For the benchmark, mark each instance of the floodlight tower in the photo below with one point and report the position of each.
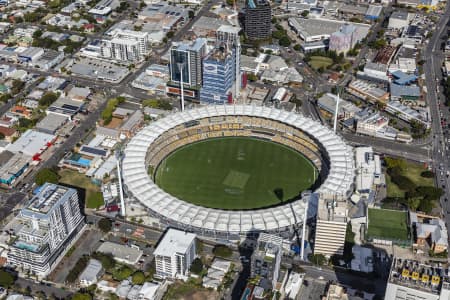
(119, 177)
(180, 67)
(305, 218)
(336, 111)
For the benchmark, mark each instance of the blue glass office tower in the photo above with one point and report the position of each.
(219, 74)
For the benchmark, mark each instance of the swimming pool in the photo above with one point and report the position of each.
(25, 246)
(84, 162)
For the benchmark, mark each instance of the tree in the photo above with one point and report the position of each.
(37, 34)
(5, 97)
(54, 3)
(430, 192)
(105, 225)
(170, 34)
(107, 260)
(297, 47)
(427, 174)
(47, 99)
(123, 273)
(6, 279)
(305, 13)
(138, 277)
(222, 251)
(252, 77)
(285, 41)
(31, 17)
(196, 266)
(414, 203)
(191, 14)
(377, 44)
(17, 86)
(77, 269)
(395, 162)
(46, 175)
(2, 136)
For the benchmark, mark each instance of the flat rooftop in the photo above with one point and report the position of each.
(418, 276)
(314, 27)
(174, 241)
(48, 197)
(121, 252)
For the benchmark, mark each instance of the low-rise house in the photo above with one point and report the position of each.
(121, 253)
(51, 123)
(20, 111)
(91, 273)
(8, 133)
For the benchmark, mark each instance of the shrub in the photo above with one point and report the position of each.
(123, 273)
(427, 174)
(222, 251)
(6, 279)
(138, 278)
(105, 225)
(107, 260)
(77, 269)
(197, 266)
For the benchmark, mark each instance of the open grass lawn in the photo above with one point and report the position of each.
(388, 224)
(188, 291)
(94, 198)
(412, 171)
(320, 61)
(235, 173)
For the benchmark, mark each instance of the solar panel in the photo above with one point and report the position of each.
(95, 151)
(70, 107)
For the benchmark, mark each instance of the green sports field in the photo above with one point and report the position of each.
(235, 173)
(387, 224)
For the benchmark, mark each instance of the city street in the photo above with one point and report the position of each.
(433, 75)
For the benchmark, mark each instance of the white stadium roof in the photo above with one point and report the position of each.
(339, 181)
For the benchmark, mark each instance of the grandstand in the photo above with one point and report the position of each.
(327, 151)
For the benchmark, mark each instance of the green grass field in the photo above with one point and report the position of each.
(235, 173)
(320, 61)
(94, 196)
(388, 224)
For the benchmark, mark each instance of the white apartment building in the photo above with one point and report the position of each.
(126, 45)
(174, 254)
(44, 229)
